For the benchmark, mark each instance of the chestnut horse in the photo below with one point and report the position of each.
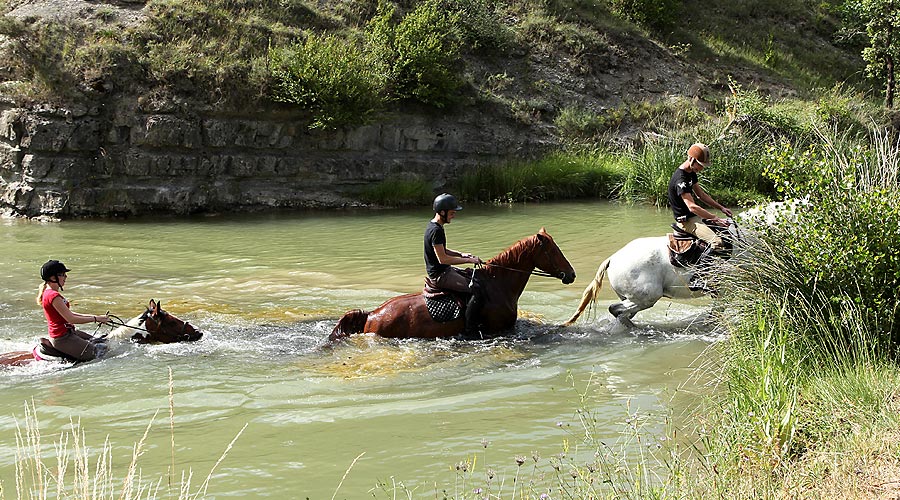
(502, 280)
(154, 326)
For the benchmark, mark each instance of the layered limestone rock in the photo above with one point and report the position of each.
(62, 163)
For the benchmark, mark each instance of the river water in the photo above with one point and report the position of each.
(267, 289)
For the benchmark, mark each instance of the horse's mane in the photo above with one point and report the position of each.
(514, 252)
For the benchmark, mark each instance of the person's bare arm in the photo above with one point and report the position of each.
(450, 257)
(74, 317)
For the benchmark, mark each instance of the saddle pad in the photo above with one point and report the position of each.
(684, 253)
(443, 308)
(679, 245)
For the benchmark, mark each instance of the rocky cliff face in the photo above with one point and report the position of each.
(134, 158)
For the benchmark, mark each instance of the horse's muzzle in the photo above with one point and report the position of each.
(193, 335)
(567, 277)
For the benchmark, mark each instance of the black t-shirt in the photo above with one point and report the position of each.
(434, 235)
(681, 182)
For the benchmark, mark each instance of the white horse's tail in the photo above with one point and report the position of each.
(590, 293)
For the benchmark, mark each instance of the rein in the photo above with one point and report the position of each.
(117, 321)
(533, 272)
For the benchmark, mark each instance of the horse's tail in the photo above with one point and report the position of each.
(350, 323)
(590, 293)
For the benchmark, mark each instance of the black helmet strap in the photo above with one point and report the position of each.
(55, 279)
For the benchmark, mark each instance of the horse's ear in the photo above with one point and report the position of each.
(542, 231)
(153, 306)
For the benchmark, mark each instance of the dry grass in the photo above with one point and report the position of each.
(69, 468)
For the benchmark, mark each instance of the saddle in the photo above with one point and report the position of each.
(443, 305)
(685, 249)
(45, 351)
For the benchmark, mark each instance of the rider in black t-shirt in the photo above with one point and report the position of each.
(439, 259)
(684, 190)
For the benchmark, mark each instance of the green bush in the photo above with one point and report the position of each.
(422, 51)
(761, 117)
(844, 241)
(657, 15)
(333, 78)
(575, 122)
(480, 27)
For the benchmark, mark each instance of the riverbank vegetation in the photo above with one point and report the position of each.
(811, 401)
(740, 136)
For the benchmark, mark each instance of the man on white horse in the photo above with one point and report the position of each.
(685, 189)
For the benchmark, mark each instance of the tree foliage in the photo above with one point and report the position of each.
(878, 23)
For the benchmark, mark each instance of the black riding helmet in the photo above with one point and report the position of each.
(445, 202)
(51, 269)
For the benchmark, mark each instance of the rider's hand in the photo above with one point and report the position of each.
(727, 211)
(101, 319)
(475, 260)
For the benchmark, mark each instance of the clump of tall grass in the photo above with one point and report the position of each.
(76, 471)
(734, 178)
(399, 192)
(560, 175)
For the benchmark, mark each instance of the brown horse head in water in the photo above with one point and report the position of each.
(161, 327)
(154, 326)
(502, 281)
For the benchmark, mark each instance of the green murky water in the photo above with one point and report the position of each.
(267, 290)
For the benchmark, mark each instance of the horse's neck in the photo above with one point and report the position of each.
(514, 268)
(128, 330)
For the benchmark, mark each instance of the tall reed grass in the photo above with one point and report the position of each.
(560, 175)
(71, 468)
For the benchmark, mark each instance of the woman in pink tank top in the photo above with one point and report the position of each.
(61, 320)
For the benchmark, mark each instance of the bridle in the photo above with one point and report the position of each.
(147, 316)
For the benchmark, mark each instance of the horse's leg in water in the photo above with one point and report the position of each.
(624, 311)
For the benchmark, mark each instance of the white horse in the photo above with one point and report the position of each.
(641, 273)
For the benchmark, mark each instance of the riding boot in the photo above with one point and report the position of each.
(473, 315)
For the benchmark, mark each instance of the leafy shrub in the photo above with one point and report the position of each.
(335, 79)
(581, 123)
(844, 240)
(422, 52)
(653, 14)
(757, 113)
(482, 30)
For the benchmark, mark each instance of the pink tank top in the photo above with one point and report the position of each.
(56, 325)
